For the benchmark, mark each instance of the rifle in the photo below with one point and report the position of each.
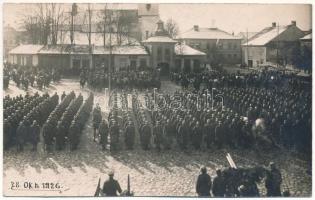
(98, 188)
(128, 186)
(231, 161)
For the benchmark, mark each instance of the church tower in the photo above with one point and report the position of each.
(148, 17)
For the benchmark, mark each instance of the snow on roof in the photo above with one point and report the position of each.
(55, 49)
(122, 6)
(159, 39)
(185, 50)
(207, 33)
(121, 50)
(266, 35)
(26, 49)
(96, 39)
(307, 37)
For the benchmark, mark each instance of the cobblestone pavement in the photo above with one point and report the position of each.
(168, 173)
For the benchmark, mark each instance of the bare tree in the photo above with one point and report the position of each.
(43, 24)
(172, 28)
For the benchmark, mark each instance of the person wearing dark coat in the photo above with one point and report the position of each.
(103, 131)
(204, 184)
(273, 181)
(35, 133)
(219, 186)
(111, 186)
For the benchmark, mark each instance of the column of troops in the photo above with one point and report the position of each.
(25, 76)
(23, 117)
(121, 79)
(65, 124)
(26, 118)
(281, 101)
(120, 121)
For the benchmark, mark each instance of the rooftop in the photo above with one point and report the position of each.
(121, 50)
(266, 35)
(96, 39)
(26, 49)
(307, 37)
(207, 33)
(185, 50)
(159, 39)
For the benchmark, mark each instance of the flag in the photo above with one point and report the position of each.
(98, 188)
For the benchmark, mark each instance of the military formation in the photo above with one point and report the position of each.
(28, 76)
(123, 79)
(281, 102)
(65, 123)
(27, 118)
(23, 117)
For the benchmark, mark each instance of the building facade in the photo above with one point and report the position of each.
(220, 46)
(275, 44)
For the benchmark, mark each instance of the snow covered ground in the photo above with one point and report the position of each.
(168, 173)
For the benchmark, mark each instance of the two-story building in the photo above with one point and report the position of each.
(275, 44)
(220, 46)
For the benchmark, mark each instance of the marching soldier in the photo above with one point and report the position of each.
(273, 181)
(97, 118)
(103, 131)
(145, 136)
(48, 135)
(114, 136)
(183, 134)
(35, 133)
(63, 95)
(20, 134)
(158, 135)
(73, 135)
(130, 135)
(60, 136)
(197, 136)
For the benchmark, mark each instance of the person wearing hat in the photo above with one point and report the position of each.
(204, 183)
(103, 131)
(97, 118)
(129, 135)
(273, 181)
(35, 134)
(219, 185)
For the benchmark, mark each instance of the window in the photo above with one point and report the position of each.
(229, 45)
(159, 53)
(234, 46)
(133, 64)
(178, 65)
(143, 62)
(146, 34)
(167, 54)
(235, 56)
(148, 6)
(196, 65)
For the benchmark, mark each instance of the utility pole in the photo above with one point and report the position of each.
(278, 45)
(90, 30)
(110, 53)
(247, 47)
(74, 12)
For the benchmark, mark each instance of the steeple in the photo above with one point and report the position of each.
(160, 29)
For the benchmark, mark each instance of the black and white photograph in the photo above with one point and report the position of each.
(157, 99)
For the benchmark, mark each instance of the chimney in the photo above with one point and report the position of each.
(293, 23)
(274, 24)
(196, 28)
